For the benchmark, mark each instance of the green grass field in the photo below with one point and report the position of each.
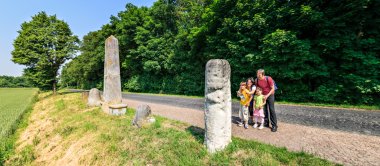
(70, 133)
(13, 103)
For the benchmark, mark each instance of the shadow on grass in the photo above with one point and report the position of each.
(46, 96)
(197, 132)
(61, 93)
(68, 91)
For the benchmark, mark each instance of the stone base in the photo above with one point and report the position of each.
(115, 109)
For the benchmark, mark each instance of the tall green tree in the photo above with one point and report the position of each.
(43, 45)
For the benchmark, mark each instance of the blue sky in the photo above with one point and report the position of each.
(82, 16)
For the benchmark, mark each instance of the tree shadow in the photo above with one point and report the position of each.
(45, 96)
(197, 132)
(68, 91)
(235, 119)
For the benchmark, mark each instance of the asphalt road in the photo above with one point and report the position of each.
(363, 122)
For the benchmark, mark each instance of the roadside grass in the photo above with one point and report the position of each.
(335, 106)
(64, 131)
(15, 107)
(163, 94)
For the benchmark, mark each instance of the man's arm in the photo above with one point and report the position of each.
(271, 90)
(264, 102)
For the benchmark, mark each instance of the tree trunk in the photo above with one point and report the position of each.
(54, 88)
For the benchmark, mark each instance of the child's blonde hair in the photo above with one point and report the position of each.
(259, 89)
(244, 84)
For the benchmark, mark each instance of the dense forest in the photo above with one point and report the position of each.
(316, 51)
(14, 82)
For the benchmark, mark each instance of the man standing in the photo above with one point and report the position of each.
(267, 85)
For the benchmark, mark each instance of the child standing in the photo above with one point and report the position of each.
(252, 88)
(245, 99)
(258, 104)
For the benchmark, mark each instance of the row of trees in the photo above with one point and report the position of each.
(318, 51)
(13, 82)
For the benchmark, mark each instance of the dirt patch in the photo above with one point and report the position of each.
(49, 146)
(39, 124)
(77, 152)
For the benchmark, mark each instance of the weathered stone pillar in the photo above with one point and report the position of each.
(217, 105)
(112, 84)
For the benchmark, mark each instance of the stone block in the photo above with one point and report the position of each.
(143, 111)
(115, 109)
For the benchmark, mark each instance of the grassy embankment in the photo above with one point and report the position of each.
(64, 131)
(14, 104)
(336, 106)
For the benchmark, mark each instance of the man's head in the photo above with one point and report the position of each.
(260, 74)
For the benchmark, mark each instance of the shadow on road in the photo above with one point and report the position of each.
(235, 119)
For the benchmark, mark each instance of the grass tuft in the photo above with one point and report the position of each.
(27, 155)
(60, 105)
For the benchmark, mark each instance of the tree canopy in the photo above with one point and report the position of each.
(43, 45)
(316, 51)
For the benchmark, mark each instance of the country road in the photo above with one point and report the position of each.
(363, 122)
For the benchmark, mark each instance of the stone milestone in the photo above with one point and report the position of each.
(142, 113)
(112, 83)
(217, 105)
(94, 98)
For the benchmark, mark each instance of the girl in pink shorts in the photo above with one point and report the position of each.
(258, 113)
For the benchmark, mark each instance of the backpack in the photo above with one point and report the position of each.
(274, 83)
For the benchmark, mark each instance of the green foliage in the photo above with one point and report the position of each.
(14, 82)
(43, 45)
(316, 51)
(133, 84)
